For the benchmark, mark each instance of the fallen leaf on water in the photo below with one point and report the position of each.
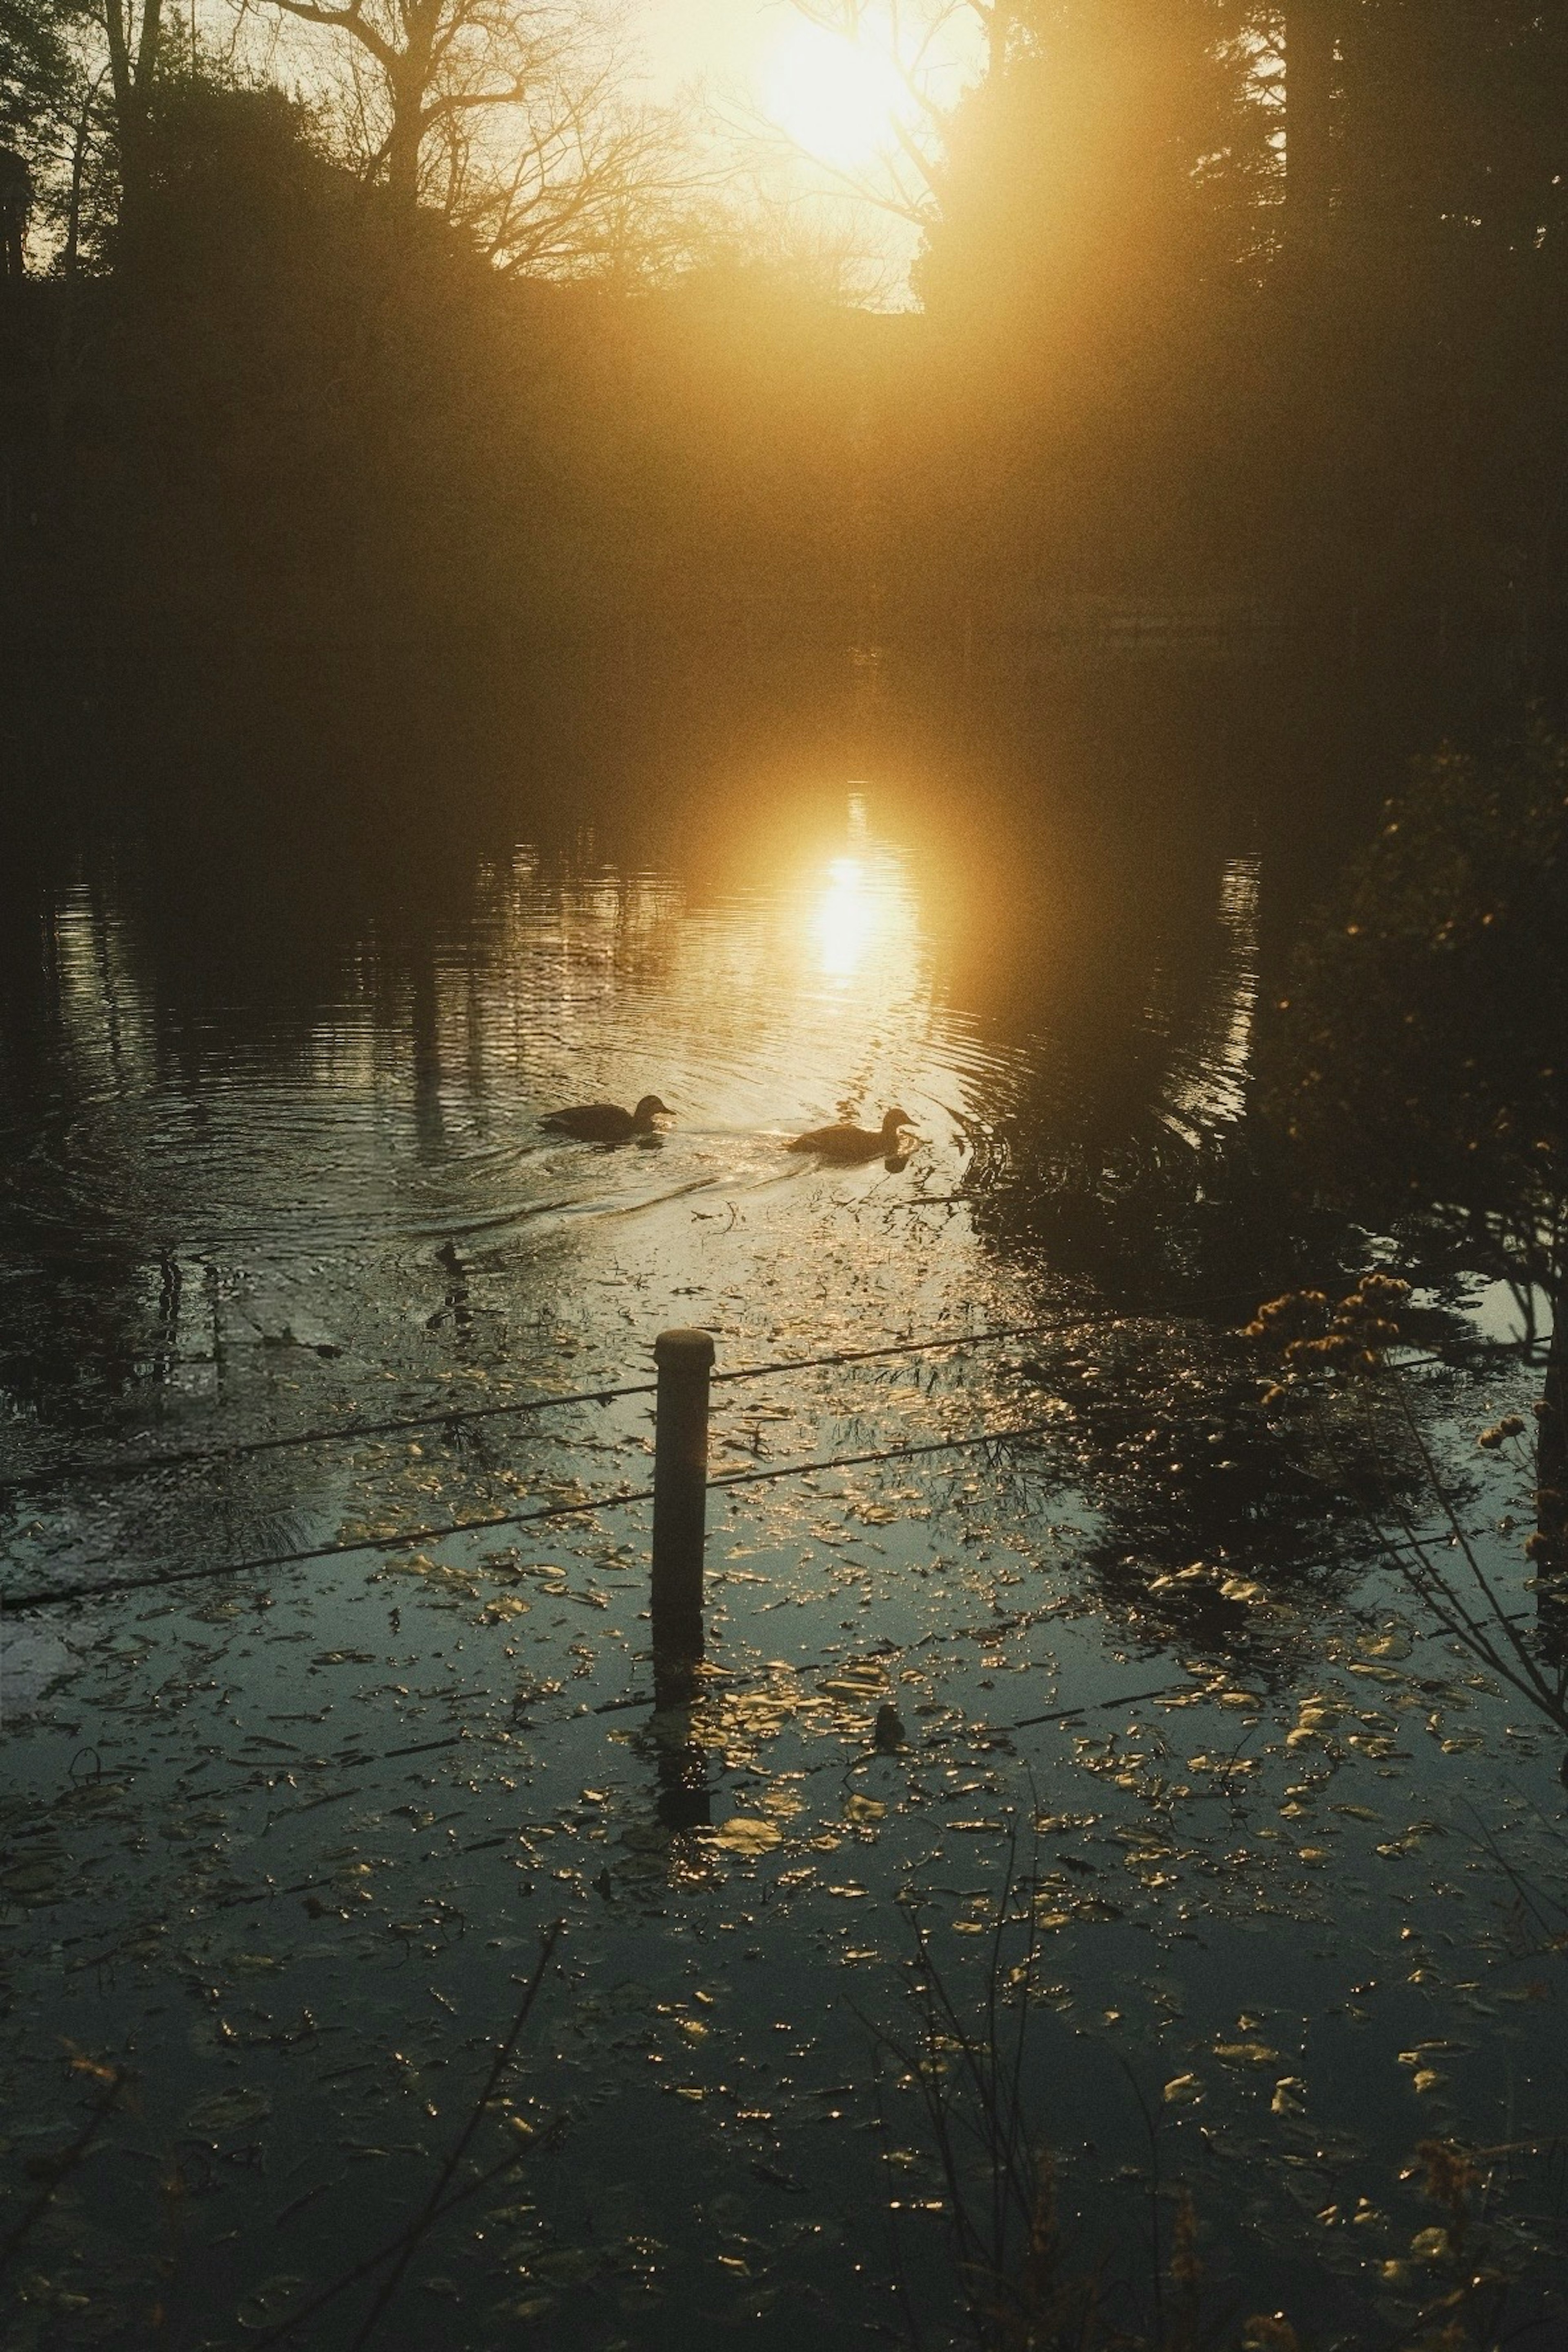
(864, 1682)
(1394, 1643)
(229, 2110)
(38, 1880)
(746, 1833)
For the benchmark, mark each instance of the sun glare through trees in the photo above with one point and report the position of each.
(840, 97)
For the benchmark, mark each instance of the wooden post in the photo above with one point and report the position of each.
(685, 1361)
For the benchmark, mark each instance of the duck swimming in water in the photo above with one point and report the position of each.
(846, 1143)
(607, 1122)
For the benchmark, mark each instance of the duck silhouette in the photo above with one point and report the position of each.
(846, 1143)
(607, 1122)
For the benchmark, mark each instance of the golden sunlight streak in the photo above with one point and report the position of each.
(836, 98)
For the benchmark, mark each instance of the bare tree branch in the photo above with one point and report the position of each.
(511, 119)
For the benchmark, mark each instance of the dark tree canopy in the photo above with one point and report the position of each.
(1111, 166)
(36, 69)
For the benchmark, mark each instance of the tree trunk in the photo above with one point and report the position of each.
(408, 79)
(131, 77)
(403, 149)
(1310, 26)
(62, 373)
(1549, 1548)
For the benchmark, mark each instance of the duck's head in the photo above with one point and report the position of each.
(894, 1121)
(649, 1109)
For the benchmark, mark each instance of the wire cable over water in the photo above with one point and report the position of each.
(338, 1433)
(48, 1597)
(462, 1416)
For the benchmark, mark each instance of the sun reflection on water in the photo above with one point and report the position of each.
(848, 918)
(860, 906)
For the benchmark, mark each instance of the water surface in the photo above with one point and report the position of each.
(284, 1840)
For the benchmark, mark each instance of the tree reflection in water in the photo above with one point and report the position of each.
(1418, 1074)
(1222, 1524)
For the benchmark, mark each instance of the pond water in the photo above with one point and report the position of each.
(1182, 1775)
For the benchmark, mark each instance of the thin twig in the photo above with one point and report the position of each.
(432, 2204)
(68, 2162)
(362, 2270)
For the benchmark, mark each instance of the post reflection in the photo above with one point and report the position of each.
(681, 1793)
(683, 1799)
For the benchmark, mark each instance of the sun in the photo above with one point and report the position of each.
(836, 98)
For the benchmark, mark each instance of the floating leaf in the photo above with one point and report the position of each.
(41, 1879)
(224, 2111)
(746, 1833)
(860, 1682)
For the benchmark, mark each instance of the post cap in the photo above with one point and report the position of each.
(686, 1352)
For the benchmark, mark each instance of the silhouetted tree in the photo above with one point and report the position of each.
(1110, 164)
(16, 204)
(1104, 209)
(511, 118)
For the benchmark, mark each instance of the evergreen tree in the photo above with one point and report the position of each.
(35, 68)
